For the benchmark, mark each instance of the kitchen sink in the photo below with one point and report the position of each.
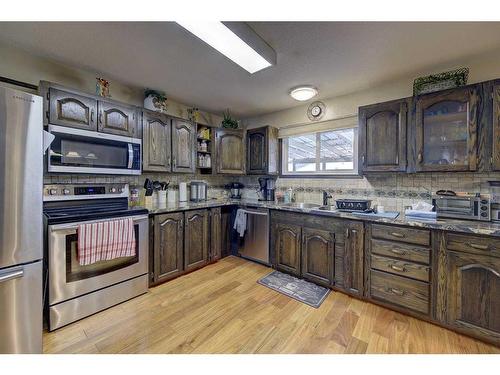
(302, 205)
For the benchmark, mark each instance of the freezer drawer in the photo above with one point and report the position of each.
(21, 309)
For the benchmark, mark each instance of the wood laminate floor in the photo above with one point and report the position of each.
(222, 309)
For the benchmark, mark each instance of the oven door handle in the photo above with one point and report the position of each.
(74, 226)
(130, 156)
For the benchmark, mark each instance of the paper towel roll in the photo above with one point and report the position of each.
(182, 192)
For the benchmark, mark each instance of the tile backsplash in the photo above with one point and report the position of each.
(393, 191)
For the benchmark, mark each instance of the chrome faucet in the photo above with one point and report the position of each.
(325, 197)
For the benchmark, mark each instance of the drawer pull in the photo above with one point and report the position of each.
(397, 292)
(397, 268)
(479, 247)
(398, 235)
(399, 252)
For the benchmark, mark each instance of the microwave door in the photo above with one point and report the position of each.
(459, 206)
(80, 151)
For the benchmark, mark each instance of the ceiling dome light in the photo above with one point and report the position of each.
(303, 93)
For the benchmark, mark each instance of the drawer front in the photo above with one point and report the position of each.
(400, 291)
(473, 244)
(399, 250)
(402, 234)
(400, 267)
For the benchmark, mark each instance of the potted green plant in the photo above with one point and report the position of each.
(228, 122)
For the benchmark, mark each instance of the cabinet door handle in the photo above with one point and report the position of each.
(420, 157)
(398, 235)
(397, 268)
(396, 291)
(347, 233)
(174, 162)
(363, 160)
(100, 117)
(92, 116)
(478, 246)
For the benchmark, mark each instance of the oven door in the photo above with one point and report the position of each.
(456, 207)
(82, 151)
(67, 279)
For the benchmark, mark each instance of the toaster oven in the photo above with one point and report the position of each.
(462, 207)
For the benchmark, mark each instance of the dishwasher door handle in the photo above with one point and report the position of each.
(256, 213)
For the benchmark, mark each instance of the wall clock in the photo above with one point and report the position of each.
(316, 111)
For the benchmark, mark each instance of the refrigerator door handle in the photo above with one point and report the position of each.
(16, 273)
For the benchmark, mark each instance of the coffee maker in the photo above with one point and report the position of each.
(267, 188)
(235, 189)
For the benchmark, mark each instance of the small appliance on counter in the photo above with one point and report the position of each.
(267, 188)
(495, 200)
(235, 189)
(467, 206)
(198, 191)
(351, 205)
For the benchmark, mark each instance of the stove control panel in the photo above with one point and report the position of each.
(63, 192)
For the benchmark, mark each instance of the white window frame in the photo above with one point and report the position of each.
(350, 172)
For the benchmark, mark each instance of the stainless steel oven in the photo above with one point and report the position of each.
(462, 207)
(77, 291)
(83, 151)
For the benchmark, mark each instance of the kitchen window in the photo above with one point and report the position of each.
(326, 152)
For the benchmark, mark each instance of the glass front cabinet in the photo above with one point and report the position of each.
(446, 130)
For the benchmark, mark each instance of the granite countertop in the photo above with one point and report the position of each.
(463, 226)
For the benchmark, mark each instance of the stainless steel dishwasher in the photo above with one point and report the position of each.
(256, 241)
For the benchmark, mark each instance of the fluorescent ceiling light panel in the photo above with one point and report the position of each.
(220, 37)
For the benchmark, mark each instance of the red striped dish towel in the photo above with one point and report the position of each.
(105, 240)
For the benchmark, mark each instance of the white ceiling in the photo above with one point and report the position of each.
(338, 58)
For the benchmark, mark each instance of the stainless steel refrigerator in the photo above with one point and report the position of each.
(21, 249)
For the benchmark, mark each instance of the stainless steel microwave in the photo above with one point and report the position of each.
(83, 151)
(463, 207)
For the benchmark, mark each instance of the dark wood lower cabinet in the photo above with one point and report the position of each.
(168, 246)
(469, 290)
(287, 242)
(354, 258)
(215, 234)
(318, 255)
(196, 239)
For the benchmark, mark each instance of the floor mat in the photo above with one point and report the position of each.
(301, 290)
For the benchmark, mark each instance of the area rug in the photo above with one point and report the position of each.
(301, 290)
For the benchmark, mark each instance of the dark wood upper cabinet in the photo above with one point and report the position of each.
(473, 290)
(446, 130)
(73, 110)
(196, 239)
(262, 151)
(215, 234)
(495, 159)
(230, 151)
(183, 146)
(354, 257)
(318, 255)
(156, 142)
(287, 242)
(382, 136)
(118, 119)
(168, 246)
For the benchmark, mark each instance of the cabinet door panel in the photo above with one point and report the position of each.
(215, 234)
(446, 131)
(354, 258)
(256, 151)
(168, 246)
(496, 129)
(183, 146)
(68, 109)
(117, 119)
(383, 136)
(231, 151)
(156, 143)
(287, 247)
(196, 240)
(318, 255)
(473, 293)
